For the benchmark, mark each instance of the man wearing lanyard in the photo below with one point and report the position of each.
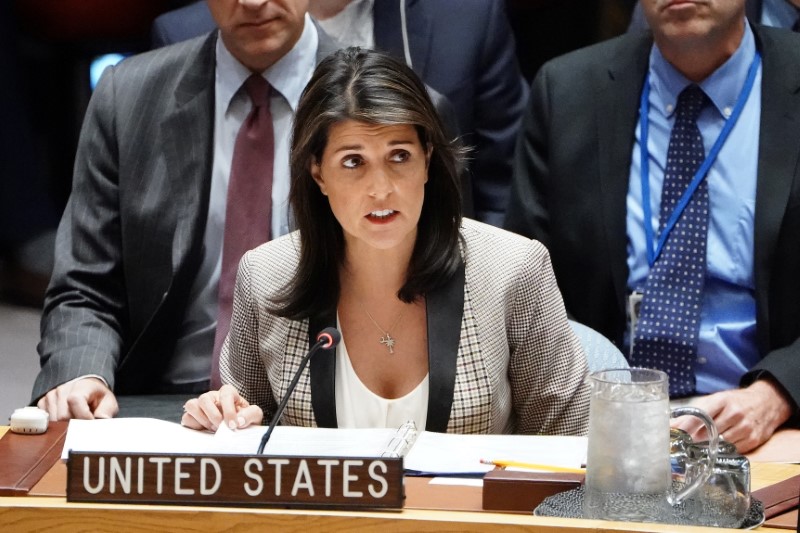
(668, 193)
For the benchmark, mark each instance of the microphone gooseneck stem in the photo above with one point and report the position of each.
(279, 411)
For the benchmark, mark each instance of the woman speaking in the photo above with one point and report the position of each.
(451, 323)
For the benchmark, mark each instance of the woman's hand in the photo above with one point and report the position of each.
(213, 408)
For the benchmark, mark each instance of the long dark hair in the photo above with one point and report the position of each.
(374, 88)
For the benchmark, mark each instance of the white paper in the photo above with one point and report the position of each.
(289, 440)
(134, 435)
(314, 442)
(461, 454)
(436, 453)
(148, 435)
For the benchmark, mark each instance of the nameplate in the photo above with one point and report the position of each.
(240, 480)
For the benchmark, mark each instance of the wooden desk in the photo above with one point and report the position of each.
(54, 513)
(782, 447)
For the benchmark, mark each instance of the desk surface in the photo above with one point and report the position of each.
(54, 513)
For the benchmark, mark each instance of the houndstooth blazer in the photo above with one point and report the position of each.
(503, 359)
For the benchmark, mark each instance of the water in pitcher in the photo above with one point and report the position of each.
(630, 475)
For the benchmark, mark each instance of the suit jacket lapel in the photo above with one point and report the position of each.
(445, 310)
(778, 158)
(389, 36)
(187, 133)
(186, 136)
(616, 114)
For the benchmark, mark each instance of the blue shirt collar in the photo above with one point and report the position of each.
(723, 86)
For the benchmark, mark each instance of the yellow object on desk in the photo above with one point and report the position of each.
(533, 466)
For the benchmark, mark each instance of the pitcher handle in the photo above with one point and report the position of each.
(707, 462)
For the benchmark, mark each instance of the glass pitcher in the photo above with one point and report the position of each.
(628, 471)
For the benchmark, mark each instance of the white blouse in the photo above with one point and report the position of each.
(359, 407)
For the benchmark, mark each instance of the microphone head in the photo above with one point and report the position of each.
(330, 336)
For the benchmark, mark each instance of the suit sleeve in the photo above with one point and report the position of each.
(501, 95)
(782, 366)
(83, 321)
(527, 209)
(240, 360)
(547, 368)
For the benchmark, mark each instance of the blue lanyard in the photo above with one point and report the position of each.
(644, 124)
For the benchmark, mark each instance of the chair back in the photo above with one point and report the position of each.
(601, 354)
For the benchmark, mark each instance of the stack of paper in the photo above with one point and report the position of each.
(431, 453)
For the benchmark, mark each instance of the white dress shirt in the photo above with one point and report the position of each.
(352, 26)
(288, 76)
(358, 407)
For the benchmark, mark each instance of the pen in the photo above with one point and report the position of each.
(533, 466)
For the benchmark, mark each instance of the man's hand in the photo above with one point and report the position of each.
(85, 398)
(226, 406)
(746, 417)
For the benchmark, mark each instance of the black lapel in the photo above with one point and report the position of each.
(323, 375)
(778, 156)
(616, 114)
(389, 36)
(445, 310)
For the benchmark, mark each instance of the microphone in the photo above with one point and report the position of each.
(327, 339)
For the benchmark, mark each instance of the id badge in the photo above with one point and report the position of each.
(634, 307)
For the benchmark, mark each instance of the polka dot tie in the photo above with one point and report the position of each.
(669, 322)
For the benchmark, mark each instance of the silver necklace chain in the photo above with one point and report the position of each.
(386, 339)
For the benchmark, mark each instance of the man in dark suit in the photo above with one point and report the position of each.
(464, 49)
(132, 305)
(578, 187)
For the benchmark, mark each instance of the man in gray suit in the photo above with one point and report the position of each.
(581, 188)
(132, 305)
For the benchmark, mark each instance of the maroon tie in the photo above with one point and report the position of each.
(248, 211)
